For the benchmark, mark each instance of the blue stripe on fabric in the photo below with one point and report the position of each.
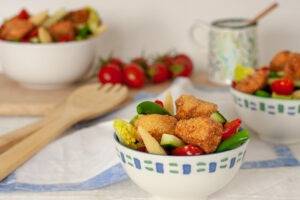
(113, 175)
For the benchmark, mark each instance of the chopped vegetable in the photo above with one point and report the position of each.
(273, 74)
(39, 18)
(262, 93)
(284, 97)
(159, 102)
(170, 141)
(283, 87)
(44, 36)
(83, 33)
(297, 83)
(241, 72)
(218, 117)
(150, 142)
(233, 142)
(296, 94)
(132, 121)
(126, 134)
(231, 128)
(169, 103)
(188, 150)
(58, 15)
(93, 21)
(149, 107)
(23, 14)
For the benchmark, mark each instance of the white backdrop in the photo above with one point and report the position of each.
(155, 26)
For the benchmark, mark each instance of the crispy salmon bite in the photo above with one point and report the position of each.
(157, 125)
(280, 60)
(201, 131)
(189, 106)
(253, 82)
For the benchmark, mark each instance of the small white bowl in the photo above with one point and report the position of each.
(274, 120)
(181, 177)
(47, 66)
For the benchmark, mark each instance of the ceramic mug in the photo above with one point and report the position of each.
(230, 42)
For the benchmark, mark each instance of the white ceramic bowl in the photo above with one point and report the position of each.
(274, 120)
(177, 177)
(47, 66)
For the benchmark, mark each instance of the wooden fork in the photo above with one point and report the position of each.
(87, 102)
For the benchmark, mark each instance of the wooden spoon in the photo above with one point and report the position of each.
(11, 138)
(263, 13)
(85, 103)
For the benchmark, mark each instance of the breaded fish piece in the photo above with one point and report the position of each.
(292, 68)
(254, 82)
(201, 131)
(79, 16)
(280, 60)
(62, 29)
(157, 125)
(189, 106)
(15, 29)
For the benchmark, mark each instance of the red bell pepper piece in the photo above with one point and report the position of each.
(66, 38)
(23, 14)
(187, 150)
(142, 149)
(231, 128)
(159, 102)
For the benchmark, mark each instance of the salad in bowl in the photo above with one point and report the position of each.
(42, 27)
(194, 145)
(268, 99)
(280, 80)
(55, 49)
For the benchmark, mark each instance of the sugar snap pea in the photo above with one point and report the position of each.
(149, 107)
(234, 141)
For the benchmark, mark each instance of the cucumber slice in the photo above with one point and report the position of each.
(277, 96)
(273, 74)
(296, 94)
(271, 80)
(218, 117)
(171, 141)
(280, 73)
(297, 83)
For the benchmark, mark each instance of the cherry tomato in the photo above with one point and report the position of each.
(187, 150)
(283, 87)
(231, 128)
(111, 73)
(182, 65)
(159, 102)
(23, 14)
(134, 75)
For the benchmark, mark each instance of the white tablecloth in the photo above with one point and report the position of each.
(269, 172)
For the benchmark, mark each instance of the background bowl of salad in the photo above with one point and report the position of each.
(268, 100)
(187, 155)
(48, 51)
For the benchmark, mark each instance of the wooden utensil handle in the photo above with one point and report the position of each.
(25, 149)
(11, 138)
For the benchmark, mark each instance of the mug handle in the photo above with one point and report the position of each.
(198, 26)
